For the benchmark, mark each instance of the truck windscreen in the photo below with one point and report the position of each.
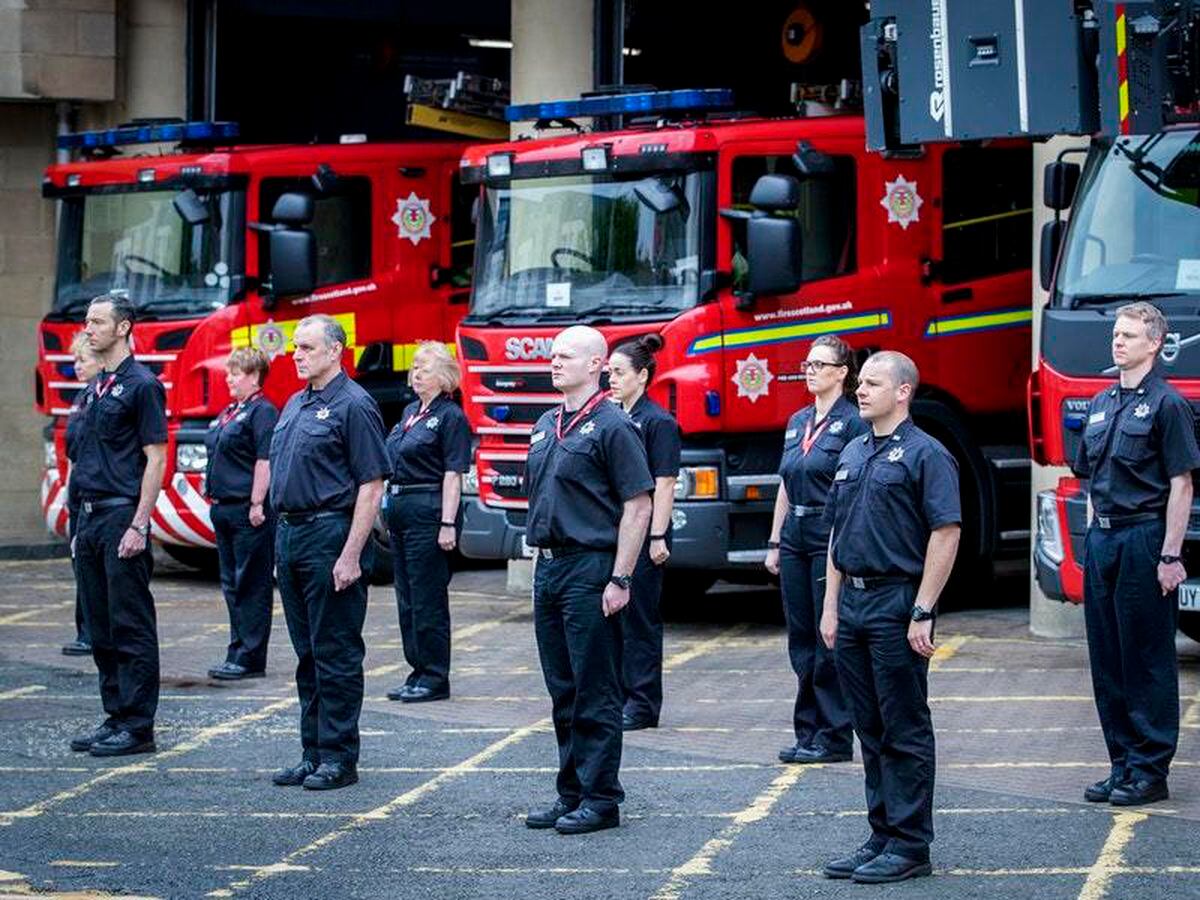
(176, 253)
(582, 245)
(1135, 228)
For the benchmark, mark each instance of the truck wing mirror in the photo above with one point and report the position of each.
(1052, 235)
(190, 207)
(293, 263)
(1058, 184)
(811, 162)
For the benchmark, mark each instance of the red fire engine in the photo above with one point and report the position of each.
(740, 240)
(379, 237)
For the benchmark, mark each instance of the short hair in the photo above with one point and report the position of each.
(80, 345)
(330, 327)
(903, 369)
(445, 366)
(123, 309)
(250, 359)
(1156, 322)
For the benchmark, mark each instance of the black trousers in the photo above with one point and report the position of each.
(886, 684)
(421, 574)
(820, 716)
(1131, 645)
(642, 631)
(119, 611)
(81, 631)
(247, 559)
(326, 631)
(580, 651)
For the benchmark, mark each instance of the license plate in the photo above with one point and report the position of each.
(527, 552)
(1189, 595)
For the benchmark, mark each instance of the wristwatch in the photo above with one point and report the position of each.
(143, 530)
(1168, 559)
(622, 581)
(921, 614)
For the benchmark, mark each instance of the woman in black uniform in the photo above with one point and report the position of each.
(630, 370)
(799, 541)
(237, 481)
(87, 367)
(429, 449)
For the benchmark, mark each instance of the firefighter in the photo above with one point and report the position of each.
(799, 543)
(895, 515)
(1138, 450)
(630, 370)
(589, 507)
(118, 471)
(86, 367)
(328, 462)
(429, 449)
(237, 479)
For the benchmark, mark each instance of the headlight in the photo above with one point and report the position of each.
(697, 483)
(191, 458)
(1049, 535)
(50, 454)
(470, 481)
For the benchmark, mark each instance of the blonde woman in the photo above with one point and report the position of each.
(87, 367)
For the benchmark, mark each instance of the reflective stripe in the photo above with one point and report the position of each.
(798, 331)
(1000, 318)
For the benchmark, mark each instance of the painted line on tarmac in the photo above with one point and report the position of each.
(86, 863)
(1191, 719)
(22, 691)
(385, 811)
(701, 863)
(1028, 764)
(459, 634)
(1041, 871)
(20, 617)
(704, 647)
(948, 648)
(1112, 855)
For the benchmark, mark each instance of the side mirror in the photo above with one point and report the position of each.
(774, 252)
(190, 207)
(1058, 184)
(811, 162)
(1052, 235)
(293, 263)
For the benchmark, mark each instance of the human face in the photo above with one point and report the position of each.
(822, 373)
(86, 365)
(1131, 346)
(570, 366)
(102, 329)
(877, 392)
(424, 377)
(626, 384)
(241, 384)
(315, 360)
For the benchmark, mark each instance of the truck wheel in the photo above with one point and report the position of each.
(203, 559)
(1189, 624)
(681, 586)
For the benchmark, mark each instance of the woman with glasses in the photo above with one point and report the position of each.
(799, 541)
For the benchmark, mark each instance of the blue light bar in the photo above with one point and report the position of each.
(164, 133)
(694, 100)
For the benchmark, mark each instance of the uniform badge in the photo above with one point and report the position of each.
(240, 417)
(753, 378)
(836, 427)
(1141, 411)
(587, 428)
(118, 390)
(902, 202)
(790, 433)
(1096, 417)
(841, 475)
(432, 423)
(323, 413)
(536, 436)
(895, 454)
(413, 218)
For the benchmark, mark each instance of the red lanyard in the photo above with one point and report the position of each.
(418, 416)
(234, 408)
(103, 384)
(810, 436)
(597, 399)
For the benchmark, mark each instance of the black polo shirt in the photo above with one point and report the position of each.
(886, 499)
(423, 447)
(660, 434)
(577, 488)
(74, 433)
(326, 444)
(1136, 440)
(236, 440)
(807, 477)
(131, 414)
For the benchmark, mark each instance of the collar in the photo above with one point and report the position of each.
(120, 371)
(1147, 384)
(327, 393)
(640, 403)
(896, 437)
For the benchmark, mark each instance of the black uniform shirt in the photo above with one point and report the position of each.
(74, 433)
(236, 440)
(1135, 442)
(114, 428)
(807, 477)
(577, 488)
(886, 500)
(660, 434)
(325, 445)
(437, 442)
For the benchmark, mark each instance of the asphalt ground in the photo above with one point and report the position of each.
(444, 786)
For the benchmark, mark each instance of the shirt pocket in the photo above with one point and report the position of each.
(578, 463)
(313, 437)
(112, 418)
(888, 485)
(1132, 440)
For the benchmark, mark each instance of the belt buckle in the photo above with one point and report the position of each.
(1104, 521)
(87, 507)
(857, 582)
(545, 553)
(798, 511)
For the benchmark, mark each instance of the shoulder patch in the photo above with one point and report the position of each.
(536, 436)
(790, 433)
(1096, 418)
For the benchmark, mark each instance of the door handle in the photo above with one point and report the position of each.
(958, 295)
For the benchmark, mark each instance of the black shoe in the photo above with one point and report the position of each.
(330, 776)
(1139, 792)
(77, 647)
(399, 693)
(1102, 790)
(422, 694)
(234, 672)
(294, 776)
(545, 818)
(212, 673)
(889, 867)
(585, 820)
(815, 754)
(637, 723)
(788, 754)
(844, 867)
(83, 743)
(122, 743)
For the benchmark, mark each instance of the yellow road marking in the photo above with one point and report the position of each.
(459, 634)
(86, 863)
(946, 650)
(22, 691)
(701, 863)
(1191, 718)
(20, 617)
(1112, 855)
(675, 660)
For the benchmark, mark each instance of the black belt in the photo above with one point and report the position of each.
(395, 489)
(105, 503)
(564, 551)
(800, 511)
(867, 582)
(301, 517)
(1108, 522)
(228, 501)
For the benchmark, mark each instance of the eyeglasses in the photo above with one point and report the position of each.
(816, 365)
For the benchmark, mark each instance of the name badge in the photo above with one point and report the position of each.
(535, 437)
(790, 433)
(1096, 417)
(841, 475)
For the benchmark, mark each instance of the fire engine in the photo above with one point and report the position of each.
(740, 239)
(223, 246)
(1126, 74)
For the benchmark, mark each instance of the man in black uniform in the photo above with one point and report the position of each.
(589, 507)
(121, 455)
(895, 514)
(1138, 449)
(327, 468)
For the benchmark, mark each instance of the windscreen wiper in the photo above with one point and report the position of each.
(1126, 297)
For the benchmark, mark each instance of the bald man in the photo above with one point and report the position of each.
(589, 488)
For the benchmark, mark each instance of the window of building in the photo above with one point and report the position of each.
(987, 212)
(341, 225)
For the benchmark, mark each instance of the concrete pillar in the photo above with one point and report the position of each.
(552, 51)
(153, 58)
(1047, 618)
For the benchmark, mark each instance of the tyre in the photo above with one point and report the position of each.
(1189, 624)
(203, 559)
